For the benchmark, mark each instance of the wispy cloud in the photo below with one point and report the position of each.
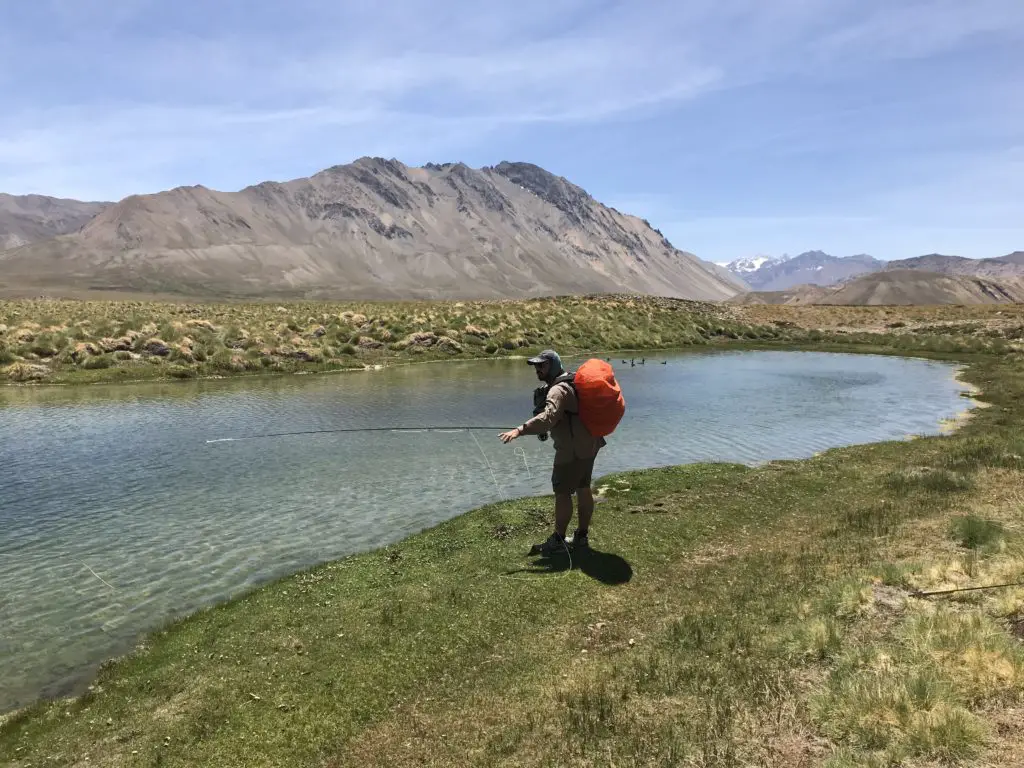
(789, 114)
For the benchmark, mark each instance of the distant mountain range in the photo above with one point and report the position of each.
(817, 277)
(372, 229)
(1011, 265)
(765, 273)
(892, 287)
(27, 219)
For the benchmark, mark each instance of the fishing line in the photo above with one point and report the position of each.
(521, 452)
(355, 429)
(447, 429)
(97, 575)
(501, 491)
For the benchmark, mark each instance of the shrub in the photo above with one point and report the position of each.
(97, 362)
(973, 532)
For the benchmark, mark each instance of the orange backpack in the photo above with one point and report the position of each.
(600, 397)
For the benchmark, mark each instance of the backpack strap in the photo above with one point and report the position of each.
(570, 380)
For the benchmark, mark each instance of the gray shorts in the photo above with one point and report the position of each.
(570, 476)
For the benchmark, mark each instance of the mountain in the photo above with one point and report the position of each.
(723, 272)
(744, 267)
(1011, 265)
(898, 287)
(29, 218)
(372, 229)
(809, 268)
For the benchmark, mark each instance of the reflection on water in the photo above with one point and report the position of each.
(116, 514)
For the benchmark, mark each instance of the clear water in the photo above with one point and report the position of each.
(116, 514)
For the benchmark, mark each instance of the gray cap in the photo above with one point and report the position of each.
(547, 355)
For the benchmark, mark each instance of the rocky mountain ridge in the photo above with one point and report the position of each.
(371, 229)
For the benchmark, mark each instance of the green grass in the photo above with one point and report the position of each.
(727, 616)
(972, 532)
(65, 341)
(163, 340)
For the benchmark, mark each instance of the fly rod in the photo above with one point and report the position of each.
(356, 429)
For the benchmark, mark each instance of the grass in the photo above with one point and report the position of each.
(65, 341)
(727, 616)
(68, 341)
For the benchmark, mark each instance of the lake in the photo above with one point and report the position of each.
(117, 515)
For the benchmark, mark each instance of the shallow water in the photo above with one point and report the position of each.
(116, 514)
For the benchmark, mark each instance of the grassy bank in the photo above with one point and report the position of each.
(63, 341)
(78, 341)
(727, 616)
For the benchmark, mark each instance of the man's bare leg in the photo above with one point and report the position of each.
(563, 512)
(585, 503)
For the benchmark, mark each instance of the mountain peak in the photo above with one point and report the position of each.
(810, 267)
(373, 229)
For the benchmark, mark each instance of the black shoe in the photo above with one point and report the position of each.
(579, 540)
(553, 546)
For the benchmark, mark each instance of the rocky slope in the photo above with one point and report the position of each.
(809, 268)
(373, 229)
(1011, 265)
(898, 287)
(29, 218)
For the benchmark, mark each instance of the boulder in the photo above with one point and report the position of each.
(306, 356)
(108, 344)
(422, 339)
(84, 349)
(157, 347)
(449, 345)
(365, 342)
(318, 332)
(204, 324)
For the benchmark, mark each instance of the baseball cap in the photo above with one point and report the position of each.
(546, 355)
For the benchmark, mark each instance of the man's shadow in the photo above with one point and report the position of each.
(605, 567)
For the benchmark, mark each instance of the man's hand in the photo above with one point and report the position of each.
(508, 437)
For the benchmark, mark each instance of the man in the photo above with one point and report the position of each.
(575, 451)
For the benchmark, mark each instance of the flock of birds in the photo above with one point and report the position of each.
(633, 363)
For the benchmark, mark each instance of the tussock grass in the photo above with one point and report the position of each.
(768, 616)
(974, 533)
(66, 340)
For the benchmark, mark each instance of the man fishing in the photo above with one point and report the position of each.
(575, 451)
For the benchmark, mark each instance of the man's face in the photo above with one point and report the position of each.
(542, 370)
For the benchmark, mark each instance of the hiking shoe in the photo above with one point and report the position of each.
(579, 540)
(553, 546)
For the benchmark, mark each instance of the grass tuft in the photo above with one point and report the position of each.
(972, 532)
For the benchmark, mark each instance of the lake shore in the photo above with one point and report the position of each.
(797, 636)
(59, 342)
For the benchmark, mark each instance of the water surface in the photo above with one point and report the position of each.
(116, 514)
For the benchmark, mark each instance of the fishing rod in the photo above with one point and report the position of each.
(357, 429)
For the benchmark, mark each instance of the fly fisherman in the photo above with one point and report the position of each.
(575, 451)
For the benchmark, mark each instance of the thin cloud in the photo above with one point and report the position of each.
(114, 97)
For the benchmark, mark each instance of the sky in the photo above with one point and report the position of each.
(736, 127)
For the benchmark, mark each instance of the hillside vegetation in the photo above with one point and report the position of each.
(61, 341)
(72, 341)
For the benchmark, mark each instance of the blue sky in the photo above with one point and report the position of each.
(737, 127)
